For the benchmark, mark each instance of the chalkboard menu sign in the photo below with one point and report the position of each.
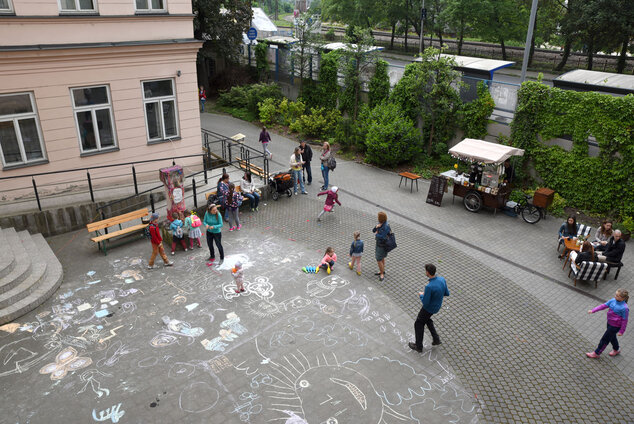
(436, 190)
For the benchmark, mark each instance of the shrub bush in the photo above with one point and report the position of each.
(290, 111)
(268, 111)
(319, 123)
(248, 96)
(475, 114)
(391, 137)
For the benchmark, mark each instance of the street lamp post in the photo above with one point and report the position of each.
(529, 37)
(423, 12)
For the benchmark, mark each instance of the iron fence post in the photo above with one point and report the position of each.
(152, 202)
(103, 217)
(37, 196)
(92, 195)
(136, 187)
(195, 195)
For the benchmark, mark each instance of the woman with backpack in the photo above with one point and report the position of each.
(232, 203)
(326, 154)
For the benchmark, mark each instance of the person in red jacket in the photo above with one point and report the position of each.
(157, 242)
(331, 198)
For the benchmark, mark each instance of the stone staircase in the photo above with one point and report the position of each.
(29, 273)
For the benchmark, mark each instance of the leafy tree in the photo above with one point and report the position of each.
(328, 84)
(261, 61)
(427, 92)
(475, 114)
(459, 14)
(500, 21)
(379, 84)
(358, 59)
(390, 137)
(220, 23)
(309, 39)
(364, 13)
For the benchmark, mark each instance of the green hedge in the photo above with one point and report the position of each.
(602, 184)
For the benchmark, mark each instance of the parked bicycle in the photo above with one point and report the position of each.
(530, 213)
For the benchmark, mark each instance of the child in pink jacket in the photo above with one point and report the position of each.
(331, 198)
(328, 262)
(618, 313)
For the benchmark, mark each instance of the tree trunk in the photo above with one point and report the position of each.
(440, 37)
(620, 65)
(564, 58)
(461, 36)
(431, 136)
(503, 49)
(276, 7)
(392, 38)
(590, 52)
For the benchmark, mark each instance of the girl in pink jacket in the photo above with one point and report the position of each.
(618, 313)
(331, 198)
(328, 262)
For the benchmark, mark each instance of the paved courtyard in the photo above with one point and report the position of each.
(119, 343)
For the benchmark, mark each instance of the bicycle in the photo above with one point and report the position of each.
(530, 213)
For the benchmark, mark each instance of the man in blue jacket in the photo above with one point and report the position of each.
(432, 298)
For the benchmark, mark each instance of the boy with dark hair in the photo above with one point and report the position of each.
(432, 299)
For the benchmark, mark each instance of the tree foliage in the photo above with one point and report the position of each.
(475, 114)
(328, 85)
(379, 90)
(603, 183)
(220, 23)
(428, 92)
(390, 136)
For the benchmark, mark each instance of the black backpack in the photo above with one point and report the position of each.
(331, 163)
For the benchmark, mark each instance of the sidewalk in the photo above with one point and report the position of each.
(526, 254)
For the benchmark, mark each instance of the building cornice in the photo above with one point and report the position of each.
(70, 46)
(65, 18)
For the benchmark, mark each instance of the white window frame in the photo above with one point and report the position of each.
(17, 117)
(9, 10)
(78, 10)
(150, 9)
(93, 109)
(160, 101)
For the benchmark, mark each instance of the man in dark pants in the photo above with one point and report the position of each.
(307, 155)
(432, 299)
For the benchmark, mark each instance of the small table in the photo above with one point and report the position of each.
(570, 246)
(411, 177)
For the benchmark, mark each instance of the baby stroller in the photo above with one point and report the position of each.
(279, 183)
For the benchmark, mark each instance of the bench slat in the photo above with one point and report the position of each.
(409, 175)
(100, 225)
(118, 233)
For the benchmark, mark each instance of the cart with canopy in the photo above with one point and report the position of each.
(486, 183)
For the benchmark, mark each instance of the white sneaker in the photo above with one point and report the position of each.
(150, 267)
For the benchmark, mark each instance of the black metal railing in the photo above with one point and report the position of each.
(212, 142)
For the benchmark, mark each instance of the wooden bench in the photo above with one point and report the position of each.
(411, 177)
(256, 170)
(103, 239)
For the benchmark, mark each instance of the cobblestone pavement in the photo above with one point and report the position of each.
(522, 330)
(120, 343)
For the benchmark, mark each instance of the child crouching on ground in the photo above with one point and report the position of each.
(157, 242)
(177, 233)
(356, 250)
(329, 259)
(193, 224)
(238, 276)
(331, 198)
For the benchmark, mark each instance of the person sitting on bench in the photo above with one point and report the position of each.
(613, 249)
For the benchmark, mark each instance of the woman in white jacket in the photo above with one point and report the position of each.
(248, 190)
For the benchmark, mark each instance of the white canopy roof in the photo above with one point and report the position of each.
(483, 151)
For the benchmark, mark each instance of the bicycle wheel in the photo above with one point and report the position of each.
(531, 214)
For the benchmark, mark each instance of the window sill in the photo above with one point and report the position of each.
(99, 152)
(4, 13)
(78, 13)
(151, 12)
(24, 165)
(149, 143)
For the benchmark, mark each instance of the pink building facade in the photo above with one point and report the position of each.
(85, 83)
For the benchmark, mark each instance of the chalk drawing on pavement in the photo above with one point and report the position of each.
(66, 361)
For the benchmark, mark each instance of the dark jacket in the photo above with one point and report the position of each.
(585, 257)
(356, 247)
(307, 156)
(614, 251)
(382, 232)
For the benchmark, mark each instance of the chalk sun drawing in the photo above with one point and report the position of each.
(326, 286)
(323, 391)
(65, 361)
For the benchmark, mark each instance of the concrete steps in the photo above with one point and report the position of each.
(34, 273)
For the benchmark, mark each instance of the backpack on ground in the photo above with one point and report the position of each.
(331, 163)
